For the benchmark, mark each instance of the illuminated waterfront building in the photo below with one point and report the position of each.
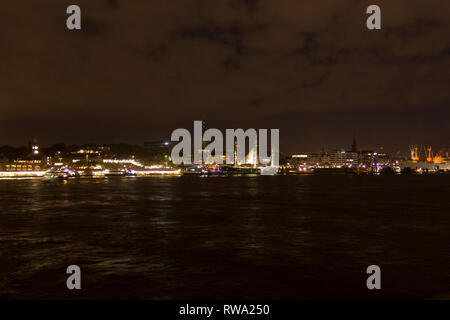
(344, 158)
(21, 165)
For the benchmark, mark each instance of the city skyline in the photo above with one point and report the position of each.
(345, 145)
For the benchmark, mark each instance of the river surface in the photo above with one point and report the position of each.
(238, 237)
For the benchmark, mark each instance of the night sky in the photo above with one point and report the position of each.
(139, 69)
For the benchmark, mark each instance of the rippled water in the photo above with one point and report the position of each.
(259, 237)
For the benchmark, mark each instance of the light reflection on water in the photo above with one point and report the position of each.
(226, 237)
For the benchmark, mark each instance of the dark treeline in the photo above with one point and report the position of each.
(61, 149)
(11, 153)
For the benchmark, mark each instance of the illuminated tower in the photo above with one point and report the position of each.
(34, 147)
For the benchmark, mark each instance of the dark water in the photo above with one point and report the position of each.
(282, 237)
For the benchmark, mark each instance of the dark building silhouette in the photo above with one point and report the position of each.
(354, 146)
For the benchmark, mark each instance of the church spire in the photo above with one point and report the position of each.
(354, 146)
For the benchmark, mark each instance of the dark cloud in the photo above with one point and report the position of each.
(232, 64)
(114, 4)
(166, 63)
(95, 28)
(231, 35)
(251, 5)
(155, 51)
